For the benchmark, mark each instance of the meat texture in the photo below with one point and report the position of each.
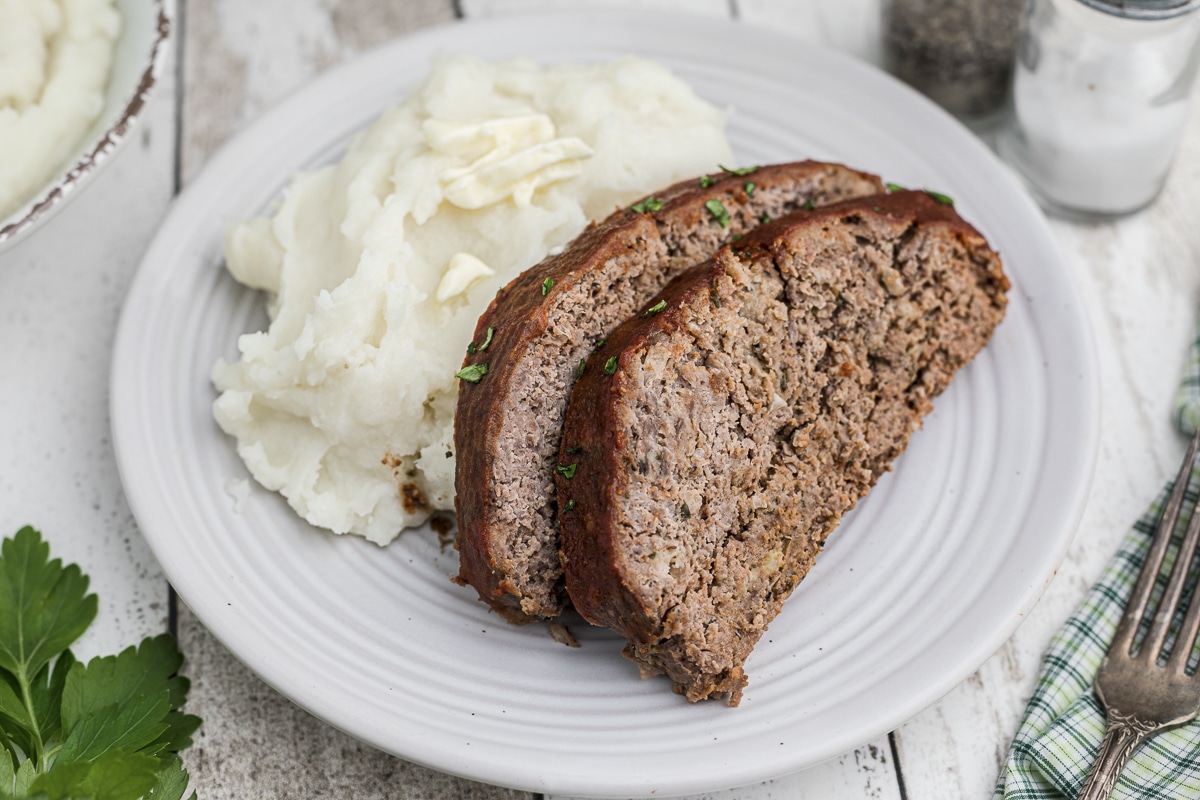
(719, 436)
(532, 342)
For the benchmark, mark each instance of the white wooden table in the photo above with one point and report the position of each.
(60, 296)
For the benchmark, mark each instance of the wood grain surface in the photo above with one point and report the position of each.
(61, 293)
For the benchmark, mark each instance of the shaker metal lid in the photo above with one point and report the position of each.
(1144, 9)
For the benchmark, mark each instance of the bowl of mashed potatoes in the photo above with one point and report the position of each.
(74, 78)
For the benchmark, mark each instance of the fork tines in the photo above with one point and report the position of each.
(1151, 646)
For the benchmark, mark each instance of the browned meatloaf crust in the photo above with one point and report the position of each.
(540, 328)
(732, 429)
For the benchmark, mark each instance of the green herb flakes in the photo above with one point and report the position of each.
(111, 728)
(750, 187)
(649, 204)
(576, 450)
(579, 369)
(717, 209)
(809, 205)
(654, 309)
(741, 173)
(471, 348)
(895, 187)
(547, 285)
(570, 505)
(764, 219)
(706, 181)
(610, 366)
(567, 470)
(599, 343)
(944, 199)
(473, 373)
(487, 339)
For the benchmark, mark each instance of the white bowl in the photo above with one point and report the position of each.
(138, 62)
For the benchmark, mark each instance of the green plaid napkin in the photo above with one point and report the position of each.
(1063, 725)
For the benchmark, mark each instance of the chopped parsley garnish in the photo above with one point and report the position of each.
(750, 187)
(109, 728)
(649, 204)
(471, 348)
(944, 199)
(473, 373)
(765, 218)
(706, 181)
(809, 205)
(599, 343)
(717, 209)
(570, 504)
(654, 309)
(547, 285)
(579, 369)
(742, 172)
(567, 470)
(571, 451)
(487, 339)
(894, 187)
(610, 366)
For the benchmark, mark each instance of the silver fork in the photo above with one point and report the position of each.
(1139, 697)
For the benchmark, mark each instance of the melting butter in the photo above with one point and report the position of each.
(509, 157)
(463, 270)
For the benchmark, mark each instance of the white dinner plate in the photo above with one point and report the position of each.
(919, 585)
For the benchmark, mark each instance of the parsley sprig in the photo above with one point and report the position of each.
(109, 729)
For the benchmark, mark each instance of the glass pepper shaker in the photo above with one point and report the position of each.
(1100, 96)
(959, 53)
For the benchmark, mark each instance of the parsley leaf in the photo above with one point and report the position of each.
(741, 173)
(473, 373)
(654, 309)
(649, 204)
(610, 366)
(108, 730)
(547, 285)
(706, 181)
(488, 340)
(944, 199)
(717, 209)
(894, 187)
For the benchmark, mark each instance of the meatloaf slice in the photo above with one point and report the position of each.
(746, 409)
(535, 337)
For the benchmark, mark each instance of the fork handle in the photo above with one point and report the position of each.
(1125, 733)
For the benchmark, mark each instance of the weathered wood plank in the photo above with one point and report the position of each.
(480, 9)
(60, 297)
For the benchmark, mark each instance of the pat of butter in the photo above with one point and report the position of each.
(474, 140)
(463, 270)
(511, 157)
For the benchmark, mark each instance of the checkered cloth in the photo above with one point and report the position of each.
(1063, 725)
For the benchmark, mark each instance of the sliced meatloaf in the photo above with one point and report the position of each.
(750, 405)
(534, 338)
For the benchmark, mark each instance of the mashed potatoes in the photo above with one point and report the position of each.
(378, 267)
(55, 56)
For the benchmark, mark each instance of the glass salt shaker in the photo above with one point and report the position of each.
(1099, 100)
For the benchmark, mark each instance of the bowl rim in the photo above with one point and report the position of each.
(25, 219)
